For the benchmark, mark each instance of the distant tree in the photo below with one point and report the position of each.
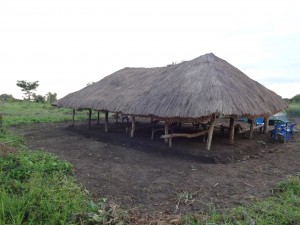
(38, 98)
(295, 99)
(51, 97)
(7, 98)
(27, 87)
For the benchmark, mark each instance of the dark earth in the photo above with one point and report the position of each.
(149, 177)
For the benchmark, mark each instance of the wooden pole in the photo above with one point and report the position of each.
(117, 117)
(73, 118)
(231, 131)
(251, 128)
(166, 130)
(210, 131)
(98, 118)
(90, 117)
(106, 122)
(132, 127)
(266, 125)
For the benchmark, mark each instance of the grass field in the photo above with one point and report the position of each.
(38, 188)
(25, 112)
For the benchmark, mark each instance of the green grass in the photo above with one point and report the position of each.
(38, 188)
(281, 207)
(25, 112)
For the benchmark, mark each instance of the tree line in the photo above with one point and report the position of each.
(29, 89)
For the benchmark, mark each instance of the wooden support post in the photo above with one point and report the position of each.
(132, 127)
(90, 117)
(166, 130)
(210, 131)
(266, 125)
(117, 117)
(231, 131)
(73, 118)
(251, 128)
(106, 122)
(98, 118)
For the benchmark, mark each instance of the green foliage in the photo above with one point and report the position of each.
(293, 110)
(282, 207)
(51, 97)
(7, 98)
(38, 98)
(27, 87)
(38, 188)
(295, 99)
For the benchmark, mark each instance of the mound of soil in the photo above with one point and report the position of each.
(148, 176)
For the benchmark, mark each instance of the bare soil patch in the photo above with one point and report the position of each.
(137, 173)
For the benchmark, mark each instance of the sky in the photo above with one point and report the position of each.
(66, 44)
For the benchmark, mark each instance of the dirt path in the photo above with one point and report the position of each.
(135, 172)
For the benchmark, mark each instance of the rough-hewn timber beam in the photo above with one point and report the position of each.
(231, 131)
(210, 131)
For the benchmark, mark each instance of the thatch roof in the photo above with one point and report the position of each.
(191, 89)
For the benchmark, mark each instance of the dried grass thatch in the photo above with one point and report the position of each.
(191, 89)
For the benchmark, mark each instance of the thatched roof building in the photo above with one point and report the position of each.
(194, 89)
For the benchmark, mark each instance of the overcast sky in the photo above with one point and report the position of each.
(65, 44)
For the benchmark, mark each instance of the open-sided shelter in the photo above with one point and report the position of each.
(194, 90)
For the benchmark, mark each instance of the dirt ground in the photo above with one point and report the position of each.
(148, 176)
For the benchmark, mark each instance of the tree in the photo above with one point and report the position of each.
(7, 98)
(51, 97)
(295, 99)
(27, 87)
(38, 98)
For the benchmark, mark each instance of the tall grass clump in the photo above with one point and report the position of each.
(38, 188)
(281, 207)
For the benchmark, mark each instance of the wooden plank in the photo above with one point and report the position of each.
(132, 127)
(106, 122)
(185, 135)
(210, 131)
(231, 131)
